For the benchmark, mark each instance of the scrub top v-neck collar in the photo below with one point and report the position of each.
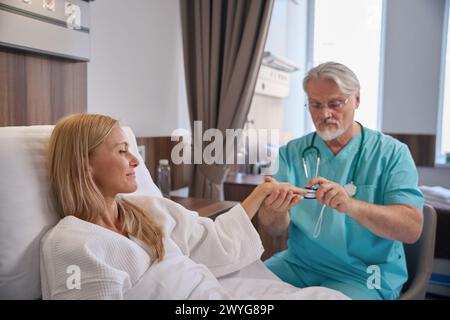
(347, 151)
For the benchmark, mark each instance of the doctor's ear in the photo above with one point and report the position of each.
(357, 100)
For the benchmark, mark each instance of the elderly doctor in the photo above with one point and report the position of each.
(364, 200)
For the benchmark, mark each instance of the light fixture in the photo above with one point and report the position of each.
(280, 63)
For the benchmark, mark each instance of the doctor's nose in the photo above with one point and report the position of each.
(325, 113)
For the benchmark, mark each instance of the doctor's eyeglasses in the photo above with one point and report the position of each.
(334, 104)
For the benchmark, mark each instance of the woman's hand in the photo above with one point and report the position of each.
(279, 196)
(332, 195)
(282, 197)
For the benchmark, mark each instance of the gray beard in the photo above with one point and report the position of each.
(328, 135)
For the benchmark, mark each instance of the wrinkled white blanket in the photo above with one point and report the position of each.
(436, 195)
(198, 251)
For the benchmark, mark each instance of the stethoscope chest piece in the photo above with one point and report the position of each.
(350, 188)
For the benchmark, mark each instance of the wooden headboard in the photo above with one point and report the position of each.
(39, 89)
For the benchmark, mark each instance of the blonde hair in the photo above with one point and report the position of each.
(73, 140)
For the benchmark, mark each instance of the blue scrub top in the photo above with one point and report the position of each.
(386, 174)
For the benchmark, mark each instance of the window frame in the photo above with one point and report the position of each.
(439, 156)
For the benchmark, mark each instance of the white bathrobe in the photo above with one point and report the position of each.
(82, 260)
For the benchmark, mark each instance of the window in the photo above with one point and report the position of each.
(349, 32)
(444, 137)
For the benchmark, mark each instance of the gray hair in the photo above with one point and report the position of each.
(345, 78)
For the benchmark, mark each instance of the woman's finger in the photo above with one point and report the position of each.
(295, 200)
(272, 197)
(285, 205)
(299, 191)
(294, 189)
(279, 201)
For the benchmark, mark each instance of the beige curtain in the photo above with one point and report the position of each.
(223, 43)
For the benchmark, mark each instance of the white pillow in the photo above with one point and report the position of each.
(25, 210)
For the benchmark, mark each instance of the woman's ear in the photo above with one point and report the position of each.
(89, 169)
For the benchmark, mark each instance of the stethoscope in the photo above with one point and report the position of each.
(350, 188)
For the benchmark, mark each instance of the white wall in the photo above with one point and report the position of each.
(412, 62)
(135, 73)
(434, 177)
(412, 65)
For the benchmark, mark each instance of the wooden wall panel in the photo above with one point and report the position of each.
(12, 88)
(421, 146)
(38, 81)
(38, 89)
(157, 148)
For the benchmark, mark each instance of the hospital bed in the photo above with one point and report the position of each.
(27, 213)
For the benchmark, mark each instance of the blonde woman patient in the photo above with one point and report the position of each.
(135, 247)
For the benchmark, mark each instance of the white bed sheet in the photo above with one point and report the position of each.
(256, 281)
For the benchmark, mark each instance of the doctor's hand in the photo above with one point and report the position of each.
(275, 208)
(332, 194)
